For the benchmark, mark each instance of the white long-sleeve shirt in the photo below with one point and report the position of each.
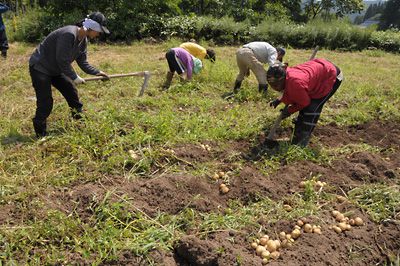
(264, 52)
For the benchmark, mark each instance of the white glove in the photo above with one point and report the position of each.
(79, 80)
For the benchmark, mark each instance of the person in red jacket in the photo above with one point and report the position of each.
(306, 88)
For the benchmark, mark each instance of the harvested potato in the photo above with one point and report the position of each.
(308, 228)
(358, 221)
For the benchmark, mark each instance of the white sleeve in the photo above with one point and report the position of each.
(272, 56)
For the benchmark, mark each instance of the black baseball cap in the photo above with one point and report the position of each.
(101, 19)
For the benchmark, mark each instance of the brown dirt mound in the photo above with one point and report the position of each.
(359, 246)
(378, 133)
(222, 248)
(173, 192)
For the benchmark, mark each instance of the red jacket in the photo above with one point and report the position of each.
(311, 80)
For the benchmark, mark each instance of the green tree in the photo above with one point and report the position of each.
(340, 7)
(391, 15)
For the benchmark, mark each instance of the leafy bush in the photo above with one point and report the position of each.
(386, 40)
(339, 34)
(34, 24)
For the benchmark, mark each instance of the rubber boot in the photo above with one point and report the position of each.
(263, 88)
(4, 54)
(301, 138)
(168, 80)
(236, 88)
(40, 127)
(301, 134)
(76, 113)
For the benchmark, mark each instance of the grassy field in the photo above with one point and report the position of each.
(80, 197)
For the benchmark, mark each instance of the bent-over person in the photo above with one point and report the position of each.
(306, 88)
(50, 65)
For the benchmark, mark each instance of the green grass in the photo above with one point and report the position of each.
(118, 121)
(381, 202)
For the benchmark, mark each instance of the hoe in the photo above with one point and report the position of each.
(145, 74)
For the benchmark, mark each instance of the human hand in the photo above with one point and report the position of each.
(285, 113)
(103, 74)
(79, 80)
(275, 103)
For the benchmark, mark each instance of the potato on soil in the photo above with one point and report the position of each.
(271, 246)
(296, 233)
(134, 155)
(260, 249)
(341, 199)
(263, 241)
(337, 229)
(317, 230)
(275, 255)
(287, 207)
(340, 217)
(342, 226)
(308, 228)
(300, 223)
(358, 221)
(277, 243)
(265, 254)
(224, 189)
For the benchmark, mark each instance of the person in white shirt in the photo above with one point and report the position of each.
(253, 56)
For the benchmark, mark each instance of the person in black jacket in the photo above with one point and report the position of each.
(50, 64)
(3, 36)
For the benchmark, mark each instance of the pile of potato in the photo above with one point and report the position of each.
(344, 223)
(205, 147)
(316, 184)
(223, 188)
(268, 248)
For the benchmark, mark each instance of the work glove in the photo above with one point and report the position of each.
(103, 74)
(285, 113)
(275, 103)
(79, 80)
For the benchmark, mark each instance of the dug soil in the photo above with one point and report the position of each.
(173, 192)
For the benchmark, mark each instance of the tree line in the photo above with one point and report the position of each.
(295, 10)
(137, 19)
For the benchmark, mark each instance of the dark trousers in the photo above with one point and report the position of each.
(173, 62)
(3, 42)
(308, 117)
(44, 99)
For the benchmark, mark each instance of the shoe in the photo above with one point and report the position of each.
(40, 128)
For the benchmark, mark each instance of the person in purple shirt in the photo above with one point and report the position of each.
(181, 61)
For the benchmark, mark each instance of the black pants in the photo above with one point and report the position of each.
(44, 99)
(308, 117)
(3, 42)
(173, 62)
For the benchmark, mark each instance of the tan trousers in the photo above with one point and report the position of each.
(246, 61)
